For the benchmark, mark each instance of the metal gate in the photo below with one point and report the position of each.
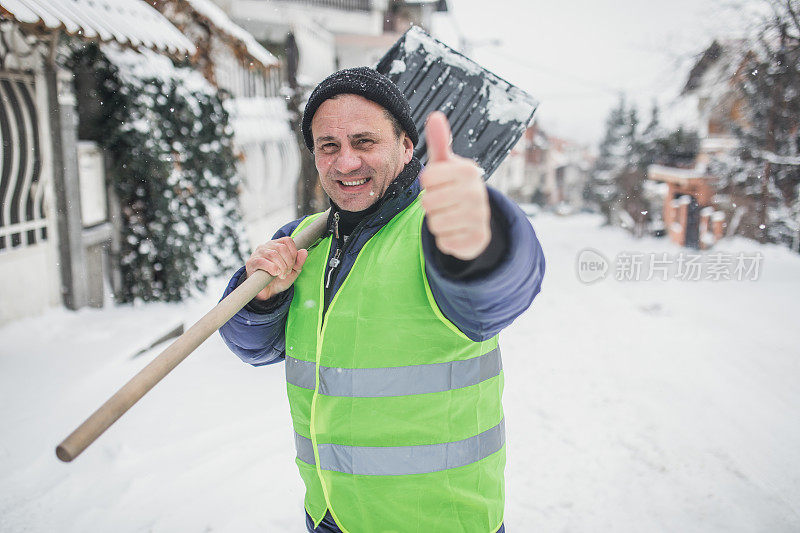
(22, 213)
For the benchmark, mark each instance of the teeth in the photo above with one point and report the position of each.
(354, 183)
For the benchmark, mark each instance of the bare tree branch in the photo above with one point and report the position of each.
(793, 15)
(777, 159)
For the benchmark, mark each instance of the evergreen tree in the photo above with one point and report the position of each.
(614, 160)
(676, 148)
(652, 132)
(632, 202)
(619, 181)
(659, 146)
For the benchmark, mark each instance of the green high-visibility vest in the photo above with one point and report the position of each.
(397, 414)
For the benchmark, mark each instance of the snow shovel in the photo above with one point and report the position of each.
(487, 116)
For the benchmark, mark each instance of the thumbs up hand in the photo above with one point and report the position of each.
(455, 201)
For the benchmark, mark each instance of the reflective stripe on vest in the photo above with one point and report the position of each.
(394, 381)
(402, 460)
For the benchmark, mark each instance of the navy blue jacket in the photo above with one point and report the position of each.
(480, 307)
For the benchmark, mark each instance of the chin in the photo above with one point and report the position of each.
(355, 204)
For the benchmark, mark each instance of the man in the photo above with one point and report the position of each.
(388, 326)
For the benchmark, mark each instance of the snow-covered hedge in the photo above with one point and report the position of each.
(173, 169)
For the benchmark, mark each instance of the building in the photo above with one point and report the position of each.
(545, 170)
(231, 59)
(332, 34)
(566, 167)
(688, 215)
(55, 227)
(693, 215)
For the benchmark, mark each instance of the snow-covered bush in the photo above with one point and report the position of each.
(172, 168)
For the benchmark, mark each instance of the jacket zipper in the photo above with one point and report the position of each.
(333, 264)
(335, 261)
(342, 245)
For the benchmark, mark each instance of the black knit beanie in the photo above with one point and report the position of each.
(366, 82)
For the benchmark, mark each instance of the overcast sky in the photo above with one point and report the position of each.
(576, 56)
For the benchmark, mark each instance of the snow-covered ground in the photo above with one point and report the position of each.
(631, 406)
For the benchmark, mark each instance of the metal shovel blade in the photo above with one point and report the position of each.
(487, 114)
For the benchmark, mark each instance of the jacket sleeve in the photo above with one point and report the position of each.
(482, 306)
(255, 337)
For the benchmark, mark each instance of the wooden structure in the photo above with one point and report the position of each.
(688, 214)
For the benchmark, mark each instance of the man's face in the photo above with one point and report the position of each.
(356, 150)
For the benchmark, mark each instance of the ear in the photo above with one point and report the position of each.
(408, 148)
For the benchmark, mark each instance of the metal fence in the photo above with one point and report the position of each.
(22, 214)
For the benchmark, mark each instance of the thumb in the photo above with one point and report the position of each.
(437, 137)
(300, 260)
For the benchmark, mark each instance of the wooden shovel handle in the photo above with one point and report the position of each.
(146, 379)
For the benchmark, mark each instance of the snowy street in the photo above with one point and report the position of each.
(631, 406)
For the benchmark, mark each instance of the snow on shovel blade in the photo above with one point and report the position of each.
(487, 114)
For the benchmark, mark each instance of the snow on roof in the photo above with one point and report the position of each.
(218, 18)
(716, 66)
(130, 22)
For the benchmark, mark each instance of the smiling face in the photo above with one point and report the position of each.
(356, 150)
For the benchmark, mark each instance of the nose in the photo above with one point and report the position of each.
(347, 160)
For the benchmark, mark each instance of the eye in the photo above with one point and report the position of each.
(364, 143)
(328, 148)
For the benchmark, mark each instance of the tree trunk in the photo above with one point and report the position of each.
(310, 197)
(762, 219)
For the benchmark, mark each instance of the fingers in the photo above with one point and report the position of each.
(464, 244)
(276, 257)
(452, 219)
(459, 220)
(438, 137)
(279, 258)
(454, 170)
(454, 186)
